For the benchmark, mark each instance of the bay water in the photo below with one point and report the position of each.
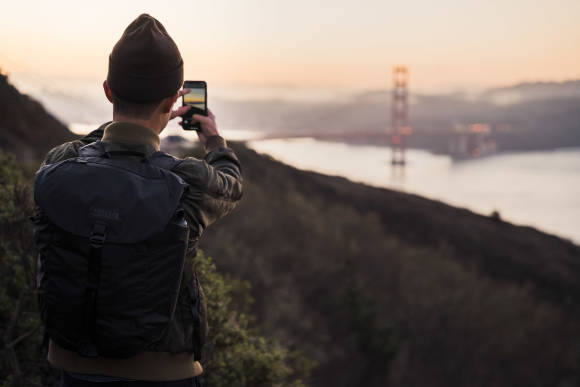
(539, 189)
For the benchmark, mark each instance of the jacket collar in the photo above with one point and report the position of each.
(131, 134)
(95, 135)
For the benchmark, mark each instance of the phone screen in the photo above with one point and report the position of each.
(197, 99)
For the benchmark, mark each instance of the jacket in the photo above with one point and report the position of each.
(214, 188)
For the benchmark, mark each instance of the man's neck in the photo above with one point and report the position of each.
(152, 124)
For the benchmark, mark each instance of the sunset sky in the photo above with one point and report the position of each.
(448, 44)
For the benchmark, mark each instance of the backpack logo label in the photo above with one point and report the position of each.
(104, 213)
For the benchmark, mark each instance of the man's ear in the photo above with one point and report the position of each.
(107, 91)
(168, 103)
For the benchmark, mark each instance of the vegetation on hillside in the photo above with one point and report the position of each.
(386, 288)
(235, 355)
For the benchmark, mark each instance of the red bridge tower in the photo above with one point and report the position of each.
(399, 114)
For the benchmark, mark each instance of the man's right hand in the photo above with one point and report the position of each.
(207, 124)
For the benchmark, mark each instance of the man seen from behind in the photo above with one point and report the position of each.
(117, 225)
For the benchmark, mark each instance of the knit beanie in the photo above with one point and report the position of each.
(145, 64)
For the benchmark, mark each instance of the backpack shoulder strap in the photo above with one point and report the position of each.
(94, 149)
(159, 159)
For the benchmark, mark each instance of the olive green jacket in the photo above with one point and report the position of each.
(215, 187)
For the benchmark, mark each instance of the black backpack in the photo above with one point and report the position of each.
(112, 238)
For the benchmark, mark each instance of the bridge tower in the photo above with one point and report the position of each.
(399, 114)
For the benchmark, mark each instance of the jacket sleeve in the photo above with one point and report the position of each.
(215, 183)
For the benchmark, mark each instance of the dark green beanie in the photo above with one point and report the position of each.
(145, 64)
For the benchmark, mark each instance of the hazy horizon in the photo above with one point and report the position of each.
(449, 46)
(58, 83)
(17, 75)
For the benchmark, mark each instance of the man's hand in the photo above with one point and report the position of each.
(182, 109)
(208, 126)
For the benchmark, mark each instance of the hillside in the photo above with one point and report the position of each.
(27, 130)
(392, 288)
(548, 262)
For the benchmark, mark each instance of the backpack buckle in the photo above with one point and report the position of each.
(98, 235)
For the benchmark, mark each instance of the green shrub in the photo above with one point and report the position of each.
(236, 355)
(21, 362)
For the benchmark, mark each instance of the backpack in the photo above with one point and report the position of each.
(111, 238)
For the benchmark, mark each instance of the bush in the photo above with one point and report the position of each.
(21, 362)
(235, 354)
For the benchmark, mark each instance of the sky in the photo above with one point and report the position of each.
(447, 44)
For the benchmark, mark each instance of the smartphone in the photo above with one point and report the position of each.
(197, 99)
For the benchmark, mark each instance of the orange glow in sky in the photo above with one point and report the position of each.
(447, 44)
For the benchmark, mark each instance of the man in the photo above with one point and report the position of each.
(144, 77)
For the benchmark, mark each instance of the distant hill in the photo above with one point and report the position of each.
(539, 115)
(529, 91)
(27, 130)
